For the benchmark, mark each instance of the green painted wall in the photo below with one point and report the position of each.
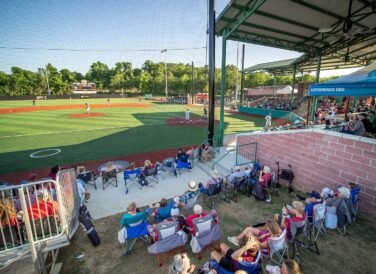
(275, 113)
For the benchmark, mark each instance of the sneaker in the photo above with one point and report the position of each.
(233, 240)
(269, 200)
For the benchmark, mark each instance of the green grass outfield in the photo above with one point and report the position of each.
(122, 131)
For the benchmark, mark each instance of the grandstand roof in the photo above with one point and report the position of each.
(298, 25)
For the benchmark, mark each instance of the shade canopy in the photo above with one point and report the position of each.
(341, 31)
(359, 83)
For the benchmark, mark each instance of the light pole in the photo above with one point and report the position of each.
(44, 72)
(165, 51)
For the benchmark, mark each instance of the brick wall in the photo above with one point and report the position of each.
(321, 159)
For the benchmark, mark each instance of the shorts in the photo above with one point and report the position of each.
(228, 262)
(262, 232)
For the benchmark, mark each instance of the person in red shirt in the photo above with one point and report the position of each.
(229, 259)
(8, 216)
(42, 208)
(290, 214)
(197, 209)
(265, 176)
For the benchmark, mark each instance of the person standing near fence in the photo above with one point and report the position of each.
(268, 120)
(187, 114)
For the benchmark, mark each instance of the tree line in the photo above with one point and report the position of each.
(150, 78)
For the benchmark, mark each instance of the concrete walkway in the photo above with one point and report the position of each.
(113, 199)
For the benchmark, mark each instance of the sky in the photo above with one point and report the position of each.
(83, 32)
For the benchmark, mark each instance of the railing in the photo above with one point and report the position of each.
(221, 158)
(246, 153)
(37, 217)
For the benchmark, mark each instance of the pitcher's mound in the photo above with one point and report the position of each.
(86, 115)
(196, 121)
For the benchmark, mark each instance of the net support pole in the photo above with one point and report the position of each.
(223, 88)
(293, 86)
(317, 81)
(242, 79)
(211, 71)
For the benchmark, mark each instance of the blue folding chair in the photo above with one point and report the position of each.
(250, 268)
(138, 231)
(183, 163)
(131, 177)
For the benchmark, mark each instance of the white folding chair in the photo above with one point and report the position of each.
(277, 245)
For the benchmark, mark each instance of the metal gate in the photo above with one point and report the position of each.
(246, 153)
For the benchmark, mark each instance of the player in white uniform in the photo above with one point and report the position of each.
(187, 113)
(268, 120)
(87, 108)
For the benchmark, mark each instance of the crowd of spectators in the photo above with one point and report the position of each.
(276, 103)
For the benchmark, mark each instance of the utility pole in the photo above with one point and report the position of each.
(165, 51)
(193, 79)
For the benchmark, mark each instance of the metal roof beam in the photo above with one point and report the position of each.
(323, 11)
(282, 32)
(271, 41)
(244, 14)
(341, 21)
(286, 20)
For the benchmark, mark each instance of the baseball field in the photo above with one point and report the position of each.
(53, 132)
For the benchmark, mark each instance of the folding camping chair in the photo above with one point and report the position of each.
(132, 177)
(213, 191)
(277, 245)
(183, 163)
(151, 173)
(315, 226)
(88, 177)
(133, 233)
(168, 238)
(191, 202)
(236, 184)
(207, 232)
(168, 167)
(249, 268)
(296, 229)
(109, 178)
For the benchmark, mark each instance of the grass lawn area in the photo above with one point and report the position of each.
(339, 254)
(120, 132)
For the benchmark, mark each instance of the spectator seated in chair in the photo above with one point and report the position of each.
(197, 213)
(133, 217)
(43, 207)
(147, 165)
(215, 179)
(294, 213)
(181, 265)
(109, 167)
(237, 172)
(343, 205)
(180, 154)
(54, 171)
(190, 194)
(208, 153)
(228, 258)
(176, 216)
(163, 210)
(287, 267)
(264, 182)
(313, 199)
(272, 230)
(8, 215)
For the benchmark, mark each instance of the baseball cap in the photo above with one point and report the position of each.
(314, 194)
